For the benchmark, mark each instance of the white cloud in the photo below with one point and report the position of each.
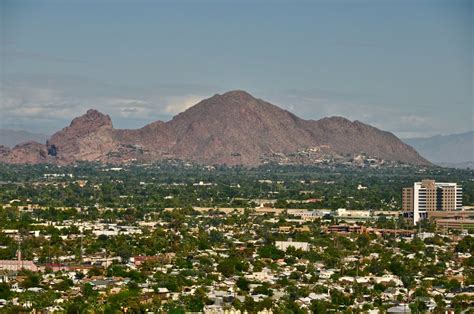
(47, 106)
(402, 121)
(179, 104)
(35, 102)
(127, 107)
(415, 120)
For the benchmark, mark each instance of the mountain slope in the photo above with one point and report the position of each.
(233, 128)
(451, 149)
(87, 138)
(236, 128)
(353, 138)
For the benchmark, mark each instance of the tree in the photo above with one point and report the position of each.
(339, 298)
(318, 306)
(263, 289)
(466, 245)
(77, 305)
(418, 306)
(194, 303)
(243, 284)
(270, 251)
(88, 291)
(31, 280)
(5, 291)
(229, 266)
(64, 285)
(363, 241)
(95, 271)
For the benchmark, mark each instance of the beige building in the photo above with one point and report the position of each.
(430, 196)
(456, 224)
(407, 199)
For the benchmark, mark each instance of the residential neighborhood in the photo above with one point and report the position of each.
(229, 259)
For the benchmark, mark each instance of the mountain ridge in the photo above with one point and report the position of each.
(445, 150)
(10, 138)
(234, 128)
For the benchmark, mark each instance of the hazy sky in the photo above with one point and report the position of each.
(403, 66)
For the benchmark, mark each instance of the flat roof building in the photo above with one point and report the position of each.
(284, 245)
(16, 265)
(429, 196)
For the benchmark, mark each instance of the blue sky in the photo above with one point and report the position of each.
(403, 66)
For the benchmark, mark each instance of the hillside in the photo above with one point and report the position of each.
(233, 128)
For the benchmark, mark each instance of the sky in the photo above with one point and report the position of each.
(402, 66)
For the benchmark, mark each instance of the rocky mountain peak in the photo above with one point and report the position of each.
(92, 119)
(237, 96)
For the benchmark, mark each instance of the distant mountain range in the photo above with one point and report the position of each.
(456, 150)
(10, 138)
(233, 129)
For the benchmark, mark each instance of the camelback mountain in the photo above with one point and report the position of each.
(233, 129)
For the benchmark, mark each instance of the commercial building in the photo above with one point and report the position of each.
(344, 229)
(284, 245)
(17, 265)
(455, 224)
(430, 196)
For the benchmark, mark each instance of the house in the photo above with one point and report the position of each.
(401, 308)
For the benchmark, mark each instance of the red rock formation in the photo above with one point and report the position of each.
(233, 128)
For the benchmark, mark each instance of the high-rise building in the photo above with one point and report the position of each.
(428, 196)
(407, 199)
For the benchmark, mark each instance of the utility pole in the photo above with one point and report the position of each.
(20, 263)
(82, 247)
(357, 271)
(18, 254)
(49, 250)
